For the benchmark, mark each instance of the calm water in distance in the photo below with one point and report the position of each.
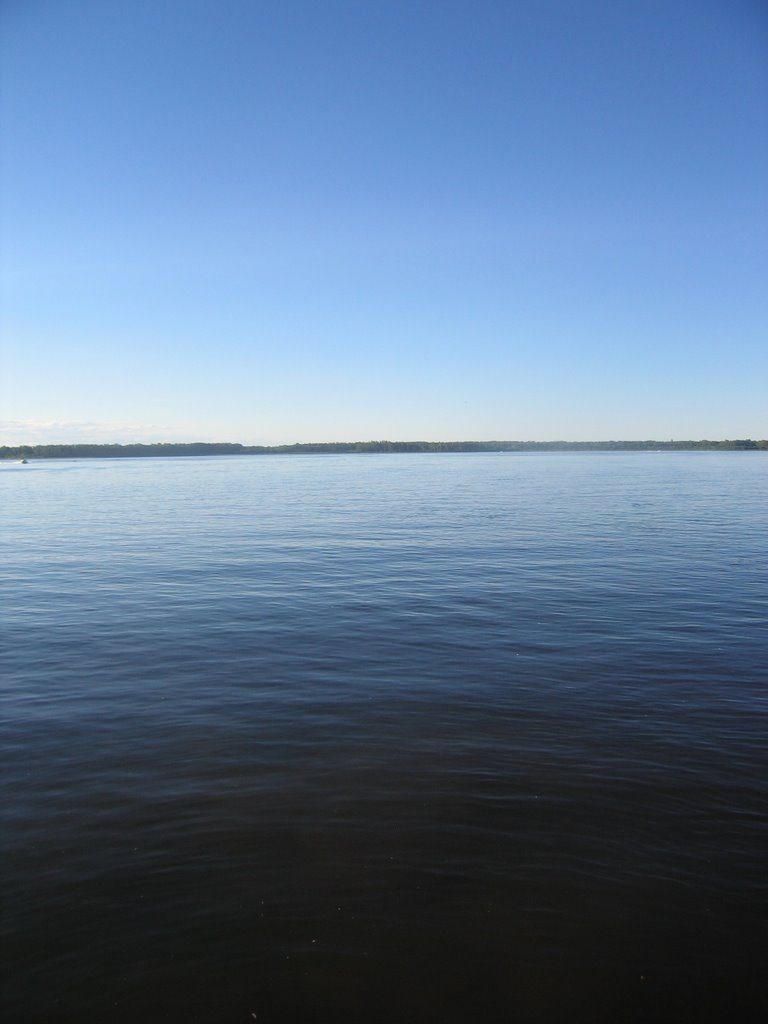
(442, 738)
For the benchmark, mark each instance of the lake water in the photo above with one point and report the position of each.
(402, 738)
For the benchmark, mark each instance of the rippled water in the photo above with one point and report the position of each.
(456, 738)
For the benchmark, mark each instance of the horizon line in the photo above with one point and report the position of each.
(232, 447)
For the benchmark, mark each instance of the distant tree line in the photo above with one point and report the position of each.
(504, 446)
(116, 451)
(134, 451)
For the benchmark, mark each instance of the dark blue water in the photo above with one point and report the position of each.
(455, 738)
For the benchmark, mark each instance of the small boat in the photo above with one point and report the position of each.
(23, 462)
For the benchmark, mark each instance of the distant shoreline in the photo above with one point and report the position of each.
(167, 450)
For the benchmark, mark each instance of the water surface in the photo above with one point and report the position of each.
(406, 738)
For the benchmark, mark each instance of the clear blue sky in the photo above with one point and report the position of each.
(291, 220)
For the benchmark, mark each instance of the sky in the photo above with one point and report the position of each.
(272, 221)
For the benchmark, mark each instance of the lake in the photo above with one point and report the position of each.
(404, 738)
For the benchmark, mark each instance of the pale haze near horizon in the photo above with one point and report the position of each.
(279, 222)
